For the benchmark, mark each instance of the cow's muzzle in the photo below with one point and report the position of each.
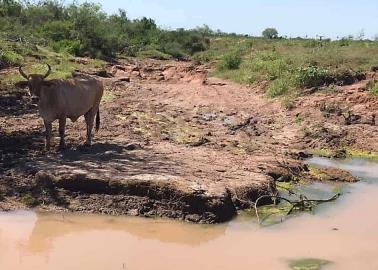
(34, 99)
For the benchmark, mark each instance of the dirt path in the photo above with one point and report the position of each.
(173, 143)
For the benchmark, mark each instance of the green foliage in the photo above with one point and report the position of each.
(86, 30)
(270, 33)
(10, 58)
(373, 89)
(313, 76)
(29, 201)
(279, 87)
(154, 54)
(289, 65)
(231, 61)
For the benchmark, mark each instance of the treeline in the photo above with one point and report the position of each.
(86, 30)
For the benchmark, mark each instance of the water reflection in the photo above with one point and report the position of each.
(344, 234)
(49, 227)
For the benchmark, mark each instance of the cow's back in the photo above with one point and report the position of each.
(71, 98)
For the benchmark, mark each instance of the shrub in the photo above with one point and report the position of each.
(279, 87)
(70, 46)
(174, 49)
(271, 64)
(10, 58)
(231, 61)
(313, 76)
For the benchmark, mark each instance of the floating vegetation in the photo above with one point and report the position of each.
(308, 264)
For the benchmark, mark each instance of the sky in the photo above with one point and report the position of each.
(292, 18)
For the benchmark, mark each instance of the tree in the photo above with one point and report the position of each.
(270, 33)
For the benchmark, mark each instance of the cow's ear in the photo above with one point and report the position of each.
(22, 84)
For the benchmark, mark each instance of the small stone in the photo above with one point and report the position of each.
(133, 212)
(133, 146)
(124, 79)
(193, 218)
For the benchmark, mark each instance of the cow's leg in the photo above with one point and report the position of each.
(62, 128)
(89, 119)
(48, 126)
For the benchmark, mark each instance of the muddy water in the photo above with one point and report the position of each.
(344, 232)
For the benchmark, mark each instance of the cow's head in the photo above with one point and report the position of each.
(34, 81)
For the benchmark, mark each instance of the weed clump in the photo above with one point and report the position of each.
(373, 89)
(313, 76)
(29, 201)
(10, 58)
(230, 61)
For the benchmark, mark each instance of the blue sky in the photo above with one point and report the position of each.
(330, 18)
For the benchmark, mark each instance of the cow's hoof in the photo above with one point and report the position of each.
(87, 144)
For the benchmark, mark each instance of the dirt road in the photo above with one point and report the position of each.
(175, 143)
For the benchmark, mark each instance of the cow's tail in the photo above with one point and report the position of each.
(98, 120)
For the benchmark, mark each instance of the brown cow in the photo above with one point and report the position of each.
(62, 99)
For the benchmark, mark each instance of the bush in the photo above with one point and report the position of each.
(10, 58)
(174, 49)
(70, 46)
(279, 87)
(231, 61)
(154, 54)
(271, 64)
(313, 76)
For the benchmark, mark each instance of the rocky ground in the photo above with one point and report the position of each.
(176, 143)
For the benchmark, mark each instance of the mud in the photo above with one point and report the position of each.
(173, 143)
(339, 236)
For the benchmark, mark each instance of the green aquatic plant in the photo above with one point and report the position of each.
(361, 154)
(308, 264)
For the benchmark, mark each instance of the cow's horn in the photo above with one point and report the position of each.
(23, 74)
(48, 72)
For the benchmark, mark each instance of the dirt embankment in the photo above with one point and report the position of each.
(173, 143)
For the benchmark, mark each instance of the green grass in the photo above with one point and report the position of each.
(323, 152)
(154, 54)
(362, 154)
(353, 153)
(29, 201)
(34, 60)
(373, 89)
(291, 65)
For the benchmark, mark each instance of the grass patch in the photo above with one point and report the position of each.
(154, 54)
(323, 152)
(36, 58)
(291, 65)
(373, 89)
(230, 61)
(10, 58)
(108, 97)
(318, 173)
(29, 201)
(362, 154)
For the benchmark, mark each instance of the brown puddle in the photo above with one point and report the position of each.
(344, 232)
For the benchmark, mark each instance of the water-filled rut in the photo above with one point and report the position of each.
(342, 233)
